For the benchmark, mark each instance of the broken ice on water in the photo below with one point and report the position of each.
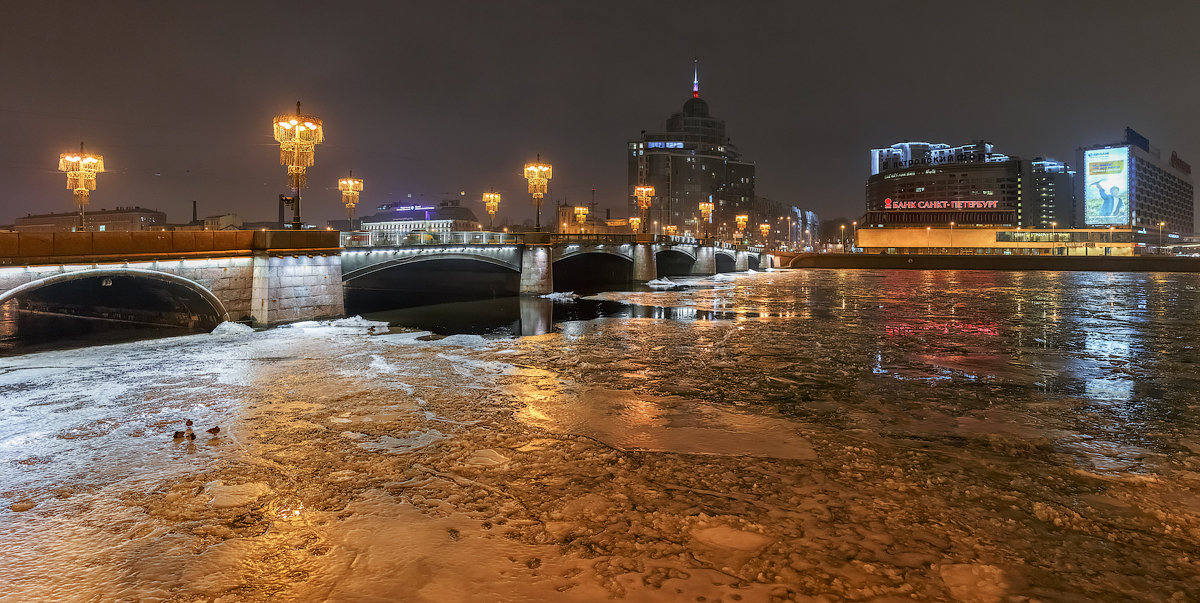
(846, 435)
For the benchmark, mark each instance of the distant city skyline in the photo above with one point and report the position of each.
(433, 100)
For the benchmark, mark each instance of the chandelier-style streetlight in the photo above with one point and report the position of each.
(491, 202)
(298, 136)
(742, 220)
(350, 188)
(706, 210)
(670, 229)
(81, 169)
(635, 224)
(581, 214)
(765, 229)
(644, 194)
(538, 174)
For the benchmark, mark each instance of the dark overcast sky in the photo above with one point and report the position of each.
(434, 97)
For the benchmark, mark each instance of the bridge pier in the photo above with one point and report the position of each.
(645, 268)
(741, 261)
(537, 272)
(706, 261)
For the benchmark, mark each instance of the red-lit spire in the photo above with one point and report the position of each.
(696, 78)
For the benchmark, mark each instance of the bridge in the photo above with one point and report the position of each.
(199, 278)
(181, 278)
(533, 263)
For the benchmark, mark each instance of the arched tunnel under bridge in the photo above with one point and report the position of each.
(423, 281)
(76, 304)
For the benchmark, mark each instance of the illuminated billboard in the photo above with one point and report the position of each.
(1106, 186)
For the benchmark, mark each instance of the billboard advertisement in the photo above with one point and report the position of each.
(1106, 186)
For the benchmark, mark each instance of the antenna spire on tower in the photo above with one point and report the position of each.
(696, 78)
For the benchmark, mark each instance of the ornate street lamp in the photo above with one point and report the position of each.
(491, 202)
(635, 224)
(670, 230)
(765, 229)
(742, 220)
(298, 136)
(81, 169)
(538, 174)
(706, 210)
(350, 188)
(644, 196)
(581, 213)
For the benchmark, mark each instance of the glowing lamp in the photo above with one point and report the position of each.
(538, 175)
(81, 169)
(298, 144)
(491, 202)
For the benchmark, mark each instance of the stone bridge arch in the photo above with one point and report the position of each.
(214, 303)
(403, 259)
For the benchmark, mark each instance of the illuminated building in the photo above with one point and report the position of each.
(690, 162)
(398, 219)
(933, 184)
(1131, 185)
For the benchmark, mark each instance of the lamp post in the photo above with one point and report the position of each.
(928, 230)
(81, 169)
(644, 196)
(842, 238)
(350, 188)
(706, 210)
(765, 229)
(491, 202)
(635, 224)
(741, 219)
(854, 237)
(538, 174)
(1160, 240)
(1053, 242)
(581, 213)
(298, 136)
(952, 237)
(670, 230)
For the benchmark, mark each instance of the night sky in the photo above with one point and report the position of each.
(432, 98)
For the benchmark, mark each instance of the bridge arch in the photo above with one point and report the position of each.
(725, 260)
(675, 260)
(592, 250)
(172, 280)
(417, 258)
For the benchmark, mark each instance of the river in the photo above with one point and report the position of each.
(836, 434)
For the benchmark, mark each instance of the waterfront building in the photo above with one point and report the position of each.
(119, 219)
(691, 161)
(393, 220)
(934, 184)
(1130, 184)
(993, 240)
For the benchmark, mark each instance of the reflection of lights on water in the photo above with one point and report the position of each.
(947, 328)
(1109, 389)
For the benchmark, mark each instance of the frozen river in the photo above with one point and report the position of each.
(852, 435)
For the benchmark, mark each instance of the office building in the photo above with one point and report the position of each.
(690, 162)
(934, 184)
(1130, 184)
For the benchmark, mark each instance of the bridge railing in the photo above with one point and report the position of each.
(405, 238)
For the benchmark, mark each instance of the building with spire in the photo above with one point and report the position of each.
(689, 162)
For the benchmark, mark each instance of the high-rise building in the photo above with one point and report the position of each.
(690, 162)
(932, 184)
(1130, 184)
